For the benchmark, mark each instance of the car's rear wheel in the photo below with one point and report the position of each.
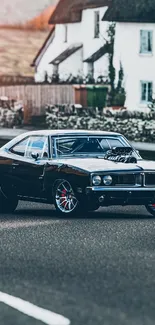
(151, 209)
(65, 200)
(8, 201)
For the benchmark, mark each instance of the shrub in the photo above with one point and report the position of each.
(136, 126)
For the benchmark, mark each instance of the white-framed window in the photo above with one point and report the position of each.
(65, 33)
(146, 91)
(146, 41)
(96, 24)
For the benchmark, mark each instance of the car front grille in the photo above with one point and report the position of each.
(149, 179)
(137, 179)
(126, 179)
(133, 179)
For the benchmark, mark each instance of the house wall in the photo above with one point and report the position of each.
(55, 48)
(73, 64)
(101, 66)
(92, 44)
(82, 32)
(137, 67)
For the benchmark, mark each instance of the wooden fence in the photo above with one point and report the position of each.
(36, 97)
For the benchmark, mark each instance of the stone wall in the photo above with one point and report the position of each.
(135, 125)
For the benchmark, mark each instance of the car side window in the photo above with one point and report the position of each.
(37, 145)
(19, 148)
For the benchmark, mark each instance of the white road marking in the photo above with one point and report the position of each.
(25, 307)
(15, 224)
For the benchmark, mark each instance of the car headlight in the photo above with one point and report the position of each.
(96, 180)
(107, 180)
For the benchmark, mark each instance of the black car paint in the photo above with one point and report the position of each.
(34, 179)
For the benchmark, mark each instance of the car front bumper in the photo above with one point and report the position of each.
(121, 195)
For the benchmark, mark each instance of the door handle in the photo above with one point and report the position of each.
(15, 165)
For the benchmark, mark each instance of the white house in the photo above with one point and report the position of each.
(135, 48)
(77, 44)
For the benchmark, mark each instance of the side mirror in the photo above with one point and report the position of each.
(35, 155)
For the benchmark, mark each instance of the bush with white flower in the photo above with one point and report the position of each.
(135, 125)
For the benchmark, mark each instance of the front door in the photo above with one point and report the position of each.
(28, 172)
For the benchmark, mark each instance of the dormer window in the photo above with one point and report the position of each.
(146, 41)
(96, 24)
(65, 33)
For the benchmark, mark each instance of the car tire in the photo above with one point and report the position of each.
(65, 200)
(8, 202)
(151, 209)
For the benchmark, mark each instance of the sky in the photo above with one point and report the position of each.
(19, 11)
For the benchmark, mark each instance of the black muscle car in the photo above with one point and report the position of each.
(74, 170)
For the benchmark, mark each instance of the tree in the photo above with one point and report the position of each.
(111, 39)
(116, 94)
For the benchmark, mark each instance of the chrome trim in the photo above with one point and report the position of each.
(135, 173)
(143, 176)
(118, 173)
(110, 189)
(31, 197)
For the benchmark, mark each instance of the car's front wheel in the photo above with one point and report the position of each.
(65, 200)
(8, 201)
(151, 209)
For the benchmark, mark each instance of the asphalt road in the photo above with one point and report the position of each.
(94, 270)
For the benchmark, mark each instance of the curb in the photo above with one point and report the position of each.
(143, 146)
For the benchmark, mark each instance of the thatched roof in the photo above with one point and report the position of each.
(131, 11)
(69, 11)
(18, 48)
(44, 47)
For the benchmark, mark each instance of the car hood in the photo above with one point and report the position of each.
(97, 164)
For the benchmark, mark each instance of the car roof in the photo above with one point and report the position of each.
(55, 133)
(69, 132)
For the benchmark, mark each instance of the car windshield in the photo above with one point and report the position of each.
(88, 145)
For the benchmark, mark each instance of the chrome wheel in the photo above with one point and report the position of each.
(65, 199)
